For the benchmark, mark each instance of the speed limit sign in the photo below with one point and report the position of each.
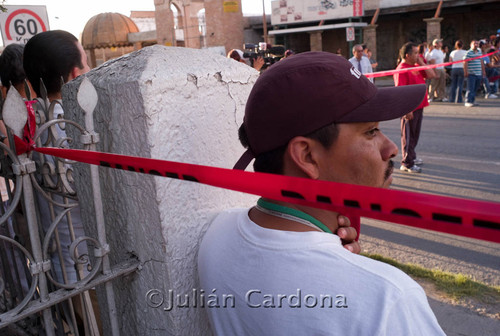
(20, 23)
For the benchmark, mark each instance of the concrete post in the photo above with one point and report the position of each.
(433, 28)
(177, 104)
(370, 38)
(316, 41)
(164, 23)
(224, 24)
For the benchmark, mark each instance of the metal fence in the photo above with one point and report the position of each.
(49, 268)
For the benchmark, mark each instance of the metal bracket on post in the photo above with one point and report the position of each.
(40, 267)
(90, 138)
(100, 252)
(24, 168)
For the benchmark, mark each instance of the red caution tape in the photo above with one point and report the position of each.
(26, 143)
(468, 218)
(424, 67)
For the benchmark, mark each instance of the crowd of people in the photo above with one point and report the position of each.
(470, 71)
(449, 83)
(475, 75)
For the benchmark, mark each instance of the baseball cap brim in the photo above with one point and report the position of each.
(388, 103)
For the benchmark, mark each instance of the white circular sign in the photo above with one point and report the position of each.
(21, 24)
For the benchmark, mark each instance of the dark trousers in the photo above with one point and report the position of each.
(457, 84)
(410, 132)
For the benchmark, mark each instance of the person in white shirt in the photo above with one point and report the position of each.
(279, 268)
(361, 62)
(457, 73)
(437, 86)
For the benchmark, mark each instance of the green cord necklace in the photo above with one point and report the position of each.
(291, 214)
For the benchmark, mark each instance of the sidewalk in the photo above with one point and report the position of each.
(468, 316)
(384, 81)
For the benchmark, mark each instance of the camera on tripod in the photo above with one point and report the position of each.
(270, 54)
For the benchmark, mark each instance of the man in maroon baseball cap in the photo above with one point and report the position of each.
(312, 115)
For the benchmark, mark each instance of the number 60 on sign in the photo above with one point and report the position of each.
(20, 23)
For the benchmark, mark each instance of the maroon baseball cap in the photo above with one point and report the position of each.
(305, 92)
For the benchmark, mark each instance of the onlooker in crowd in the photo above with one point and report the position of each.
(288, 53)
(447, 69)
(421, 51)
(495, 61)
(56, 56)
(445, 49)
(438, 84)
(339, 52)
(411, 123)
(422, 47)
(428, 49)
(11, 69)
(457, 72)
(373, 62)
(360, 62)
(12, 74)
(12, 77)
(276, 254)
(365, 47)
(237, 55)
(474, 71)
(490, 71)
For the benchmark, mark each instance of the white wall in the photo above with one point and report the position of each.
(169, 103)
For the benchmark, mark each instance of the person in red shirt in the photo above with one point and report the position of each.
(412, 122)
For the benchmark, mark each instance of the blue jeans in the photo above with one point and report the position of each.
(493, 86)
(457, 84)
(473, 83)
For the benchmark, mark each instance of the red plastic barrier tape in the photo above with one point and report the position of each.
(424, 67)
(468, 218)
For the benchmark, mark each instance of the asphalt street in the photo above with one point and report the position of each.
(461, 151)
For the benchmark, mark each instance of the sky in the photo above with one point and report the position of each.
(72, 15)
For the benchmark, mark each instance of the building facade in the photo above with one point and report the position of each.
(383, 25)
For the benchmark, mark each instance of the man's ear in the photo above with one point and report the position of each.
(301, 154)
(75, 72)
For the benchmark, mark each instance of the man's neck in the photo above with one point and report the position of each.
(54, 96)
(327, 218)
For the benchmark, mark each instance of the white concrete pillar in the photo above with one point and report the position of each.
(169, 103)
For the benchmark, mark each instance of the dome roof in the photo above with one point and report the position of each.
(108, 30)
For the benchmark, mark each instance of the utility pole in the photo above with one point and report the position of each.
(264, 21)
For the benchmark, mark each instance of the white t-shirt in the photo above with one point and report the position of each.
(458, 55)
(437, 55)
(364, 64)
(272, 282)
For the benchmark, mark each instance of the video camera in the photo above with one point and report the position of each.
(270, 54)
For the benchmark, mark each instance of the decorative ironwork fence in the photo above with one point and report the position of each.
(49, 268)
